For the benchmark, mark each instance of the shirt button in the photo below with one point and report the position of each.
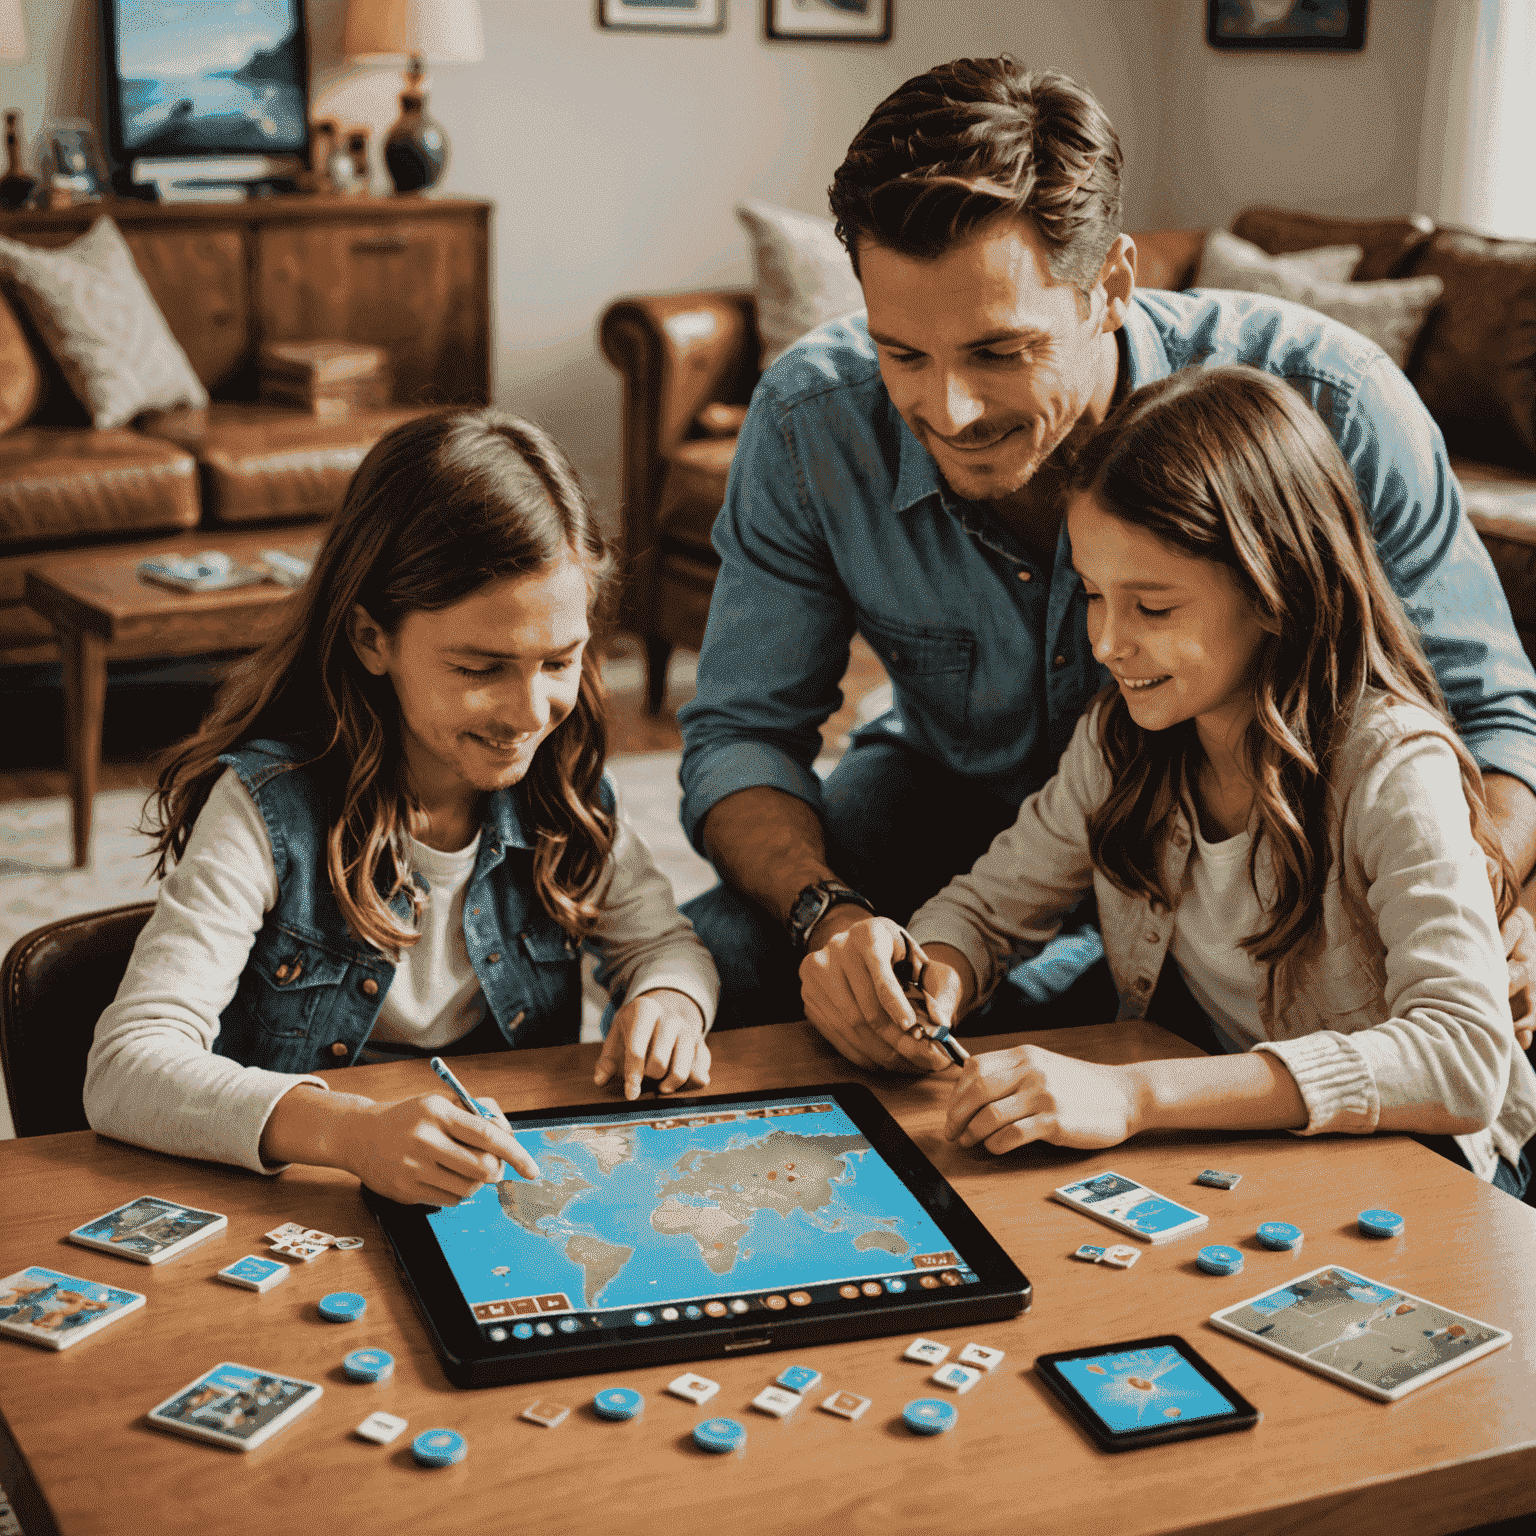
(1061, 661)
(370, 987)
(338, 1049)
(493, 957)
(281, 973)
(1025, 575)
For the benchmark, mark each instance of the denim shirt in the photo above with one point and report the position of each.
(836, 519)
(311, 984)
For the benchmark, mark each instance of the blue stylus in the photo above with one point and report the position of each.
(441, 1068)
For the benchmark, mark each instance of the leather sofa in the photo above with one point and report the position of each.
(688, 363)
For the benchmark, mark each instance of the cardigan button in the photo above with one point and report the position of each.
(1150, 935)
(493, 957)
(338, 1049)
(370, 987)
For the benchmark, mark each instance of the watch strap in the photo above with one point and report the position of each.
(814, 902)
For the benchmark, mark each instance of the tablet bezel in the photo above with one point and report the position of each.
(1048, 1368)
(471, 1359)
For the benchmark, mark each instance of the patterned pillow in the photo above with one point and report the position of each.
(1226, 261)
(97, 317)
(803, 275)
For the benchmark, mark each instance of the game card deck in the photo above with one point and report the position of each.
(236, 1406)
(56, 1310)
(1124, 1204)
(149, 1230)
(1373, 1337)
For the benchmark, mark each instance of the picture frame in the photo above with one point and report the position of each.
(661, 15)
(1310, 26)
(828, 21)
(69, 159)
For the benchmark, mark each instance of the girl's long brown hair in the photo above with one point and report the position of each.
(442, 505)
(1231, 464)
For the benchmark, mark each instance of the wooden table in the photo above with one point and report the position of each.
(100, 599)
(78, 1457)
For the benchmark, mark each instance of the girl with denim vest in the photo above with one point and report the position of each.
(1268, 797)
(392, 837)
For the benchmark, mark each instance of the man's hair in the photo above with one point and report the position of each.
(973, 139)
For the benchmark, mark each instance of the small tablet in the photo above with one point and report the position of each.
(1145, 1392)
(1372, 1337)
(1122, 1203)
(693, 1229)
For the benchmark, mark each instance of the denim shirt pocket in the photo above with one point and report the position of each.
(551, 977)
(288, 987)
(930, 664)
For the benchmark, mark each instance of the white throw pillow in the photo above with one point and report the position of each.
(1391, 312)
(802, 274)
(1227, 260)
(91, 307)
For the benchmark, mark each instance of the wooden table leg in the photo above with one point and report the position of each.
(85, 699)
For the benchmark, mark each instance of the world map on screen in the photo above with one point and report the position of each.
(641, 1212)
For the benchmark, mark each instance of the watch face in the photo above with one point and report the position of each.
(809, 905)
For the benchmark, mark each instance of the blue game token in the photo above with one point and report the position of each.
(568, 1325)
(522, 1330)
(643, 1319)
(692, 1312)
(369, 1364)
(343, 1306)
(1279, 1234)
(1218, 1259)
(720, 1435)
(898, 1286)
(929, 1416)
(618, 1403)
(797, 1378)
(439, 1447)
(1380, 1223)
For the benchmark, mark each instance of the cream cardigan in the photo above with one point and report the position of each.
(1398, 1020)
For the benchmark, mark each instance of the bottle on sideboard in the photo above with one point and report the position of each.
(15, 187)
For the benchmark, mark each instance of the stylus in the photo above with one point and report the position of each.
(441, 1068)
(940, 1035)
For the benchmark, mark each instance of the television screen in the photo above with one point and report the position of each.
(218, 77)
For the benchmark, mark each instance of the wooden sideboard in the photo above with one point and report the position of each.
(411, 274)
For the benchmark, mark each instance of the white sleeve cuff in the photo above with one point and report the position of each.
(1335, 1080)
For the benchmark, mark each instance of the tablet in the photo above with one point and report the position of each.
(1145, 1392)
(1372, 1337)
(689, 1229)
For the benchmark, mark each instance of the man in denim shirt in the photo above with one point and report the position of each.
(897, 475)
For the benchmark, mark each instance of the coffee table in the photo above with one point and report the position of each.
(100, 605)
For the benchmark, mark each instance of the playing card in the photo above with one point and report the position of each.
(56, 1310)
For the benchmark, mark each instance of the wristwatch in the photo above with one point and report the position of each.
(813, 904)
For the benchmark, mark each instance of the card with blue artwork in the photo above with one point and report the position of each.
(236, 1405)
(56, 1310)
(254, 1273)
(149, 1230)
(1370, 1336)
(1130, 1207)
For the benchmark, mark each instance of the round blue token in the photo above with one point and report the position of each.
(618, 1403)
(692, 1312)
(1218, 1259)
(720, 1435)
(439, 1447)
(522, 1330)
(1279, 1234)
(896, 1285)
(1380, 1223)
(929, 1416)
(343, 1306)
(643, 1319)
(369, 1364)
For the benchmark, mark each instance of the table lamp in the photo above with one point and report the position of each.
(441, 31)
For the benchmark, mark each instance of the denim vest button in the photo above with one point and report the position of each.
(370, 987)
(281, 973)
(474, 911)
(516, 1019)
(338, 1049)
(493, 957)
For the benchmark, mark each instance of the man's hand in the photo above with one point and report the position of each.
(1007, 1099)
(852, 996)
(1519, 934)
(658, 1034)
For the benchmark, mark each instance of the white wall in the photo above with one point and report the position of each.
(614, 158)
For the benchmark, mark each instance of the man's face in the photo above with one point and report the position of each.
(991, 361)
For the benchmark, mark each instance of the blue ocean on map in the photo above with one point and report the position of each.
(628, 1215)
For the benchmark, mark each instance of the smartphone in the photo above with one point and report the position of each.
(1145, 1392)
(1127, 1206)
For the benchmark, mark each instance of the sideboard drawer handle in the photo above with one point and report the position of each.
(379, 245)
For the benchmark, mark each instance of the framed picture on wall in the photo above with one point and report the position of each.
(829, 21)
(661, 15)
(1311, 25)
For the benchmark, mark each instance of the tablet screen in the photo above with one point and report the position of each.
(1137, 1389)
(653, 1218)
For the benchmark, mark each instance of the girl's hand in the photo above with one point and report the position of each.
(1007, 1099)
(429, 1150)
(852, 996)
(658, 1034)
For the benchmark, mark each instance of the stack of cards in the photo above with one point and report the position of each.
(236, 1406)
(296, 1242)
(149, 1230)
(56, 1310)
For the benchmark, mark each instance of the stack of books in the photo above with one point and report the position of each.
(325, 378)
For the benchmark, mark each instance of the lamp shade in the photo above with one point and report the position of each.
(447, 31)
(13, 32)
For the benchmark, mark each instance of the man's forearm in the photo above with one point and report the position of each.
(1513, 809)
(768, 845)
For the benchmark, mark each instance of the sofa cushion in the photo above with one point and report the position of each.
(694, 493)
(1167, 258)
(1227, 261)
(59, 483)
(96, 316)
(1389, 244)
(268, 463)
(21, 381)
(1502, 506)
(1475, 365)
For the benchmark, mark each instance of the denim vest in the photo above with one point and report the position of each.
(311, 990)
